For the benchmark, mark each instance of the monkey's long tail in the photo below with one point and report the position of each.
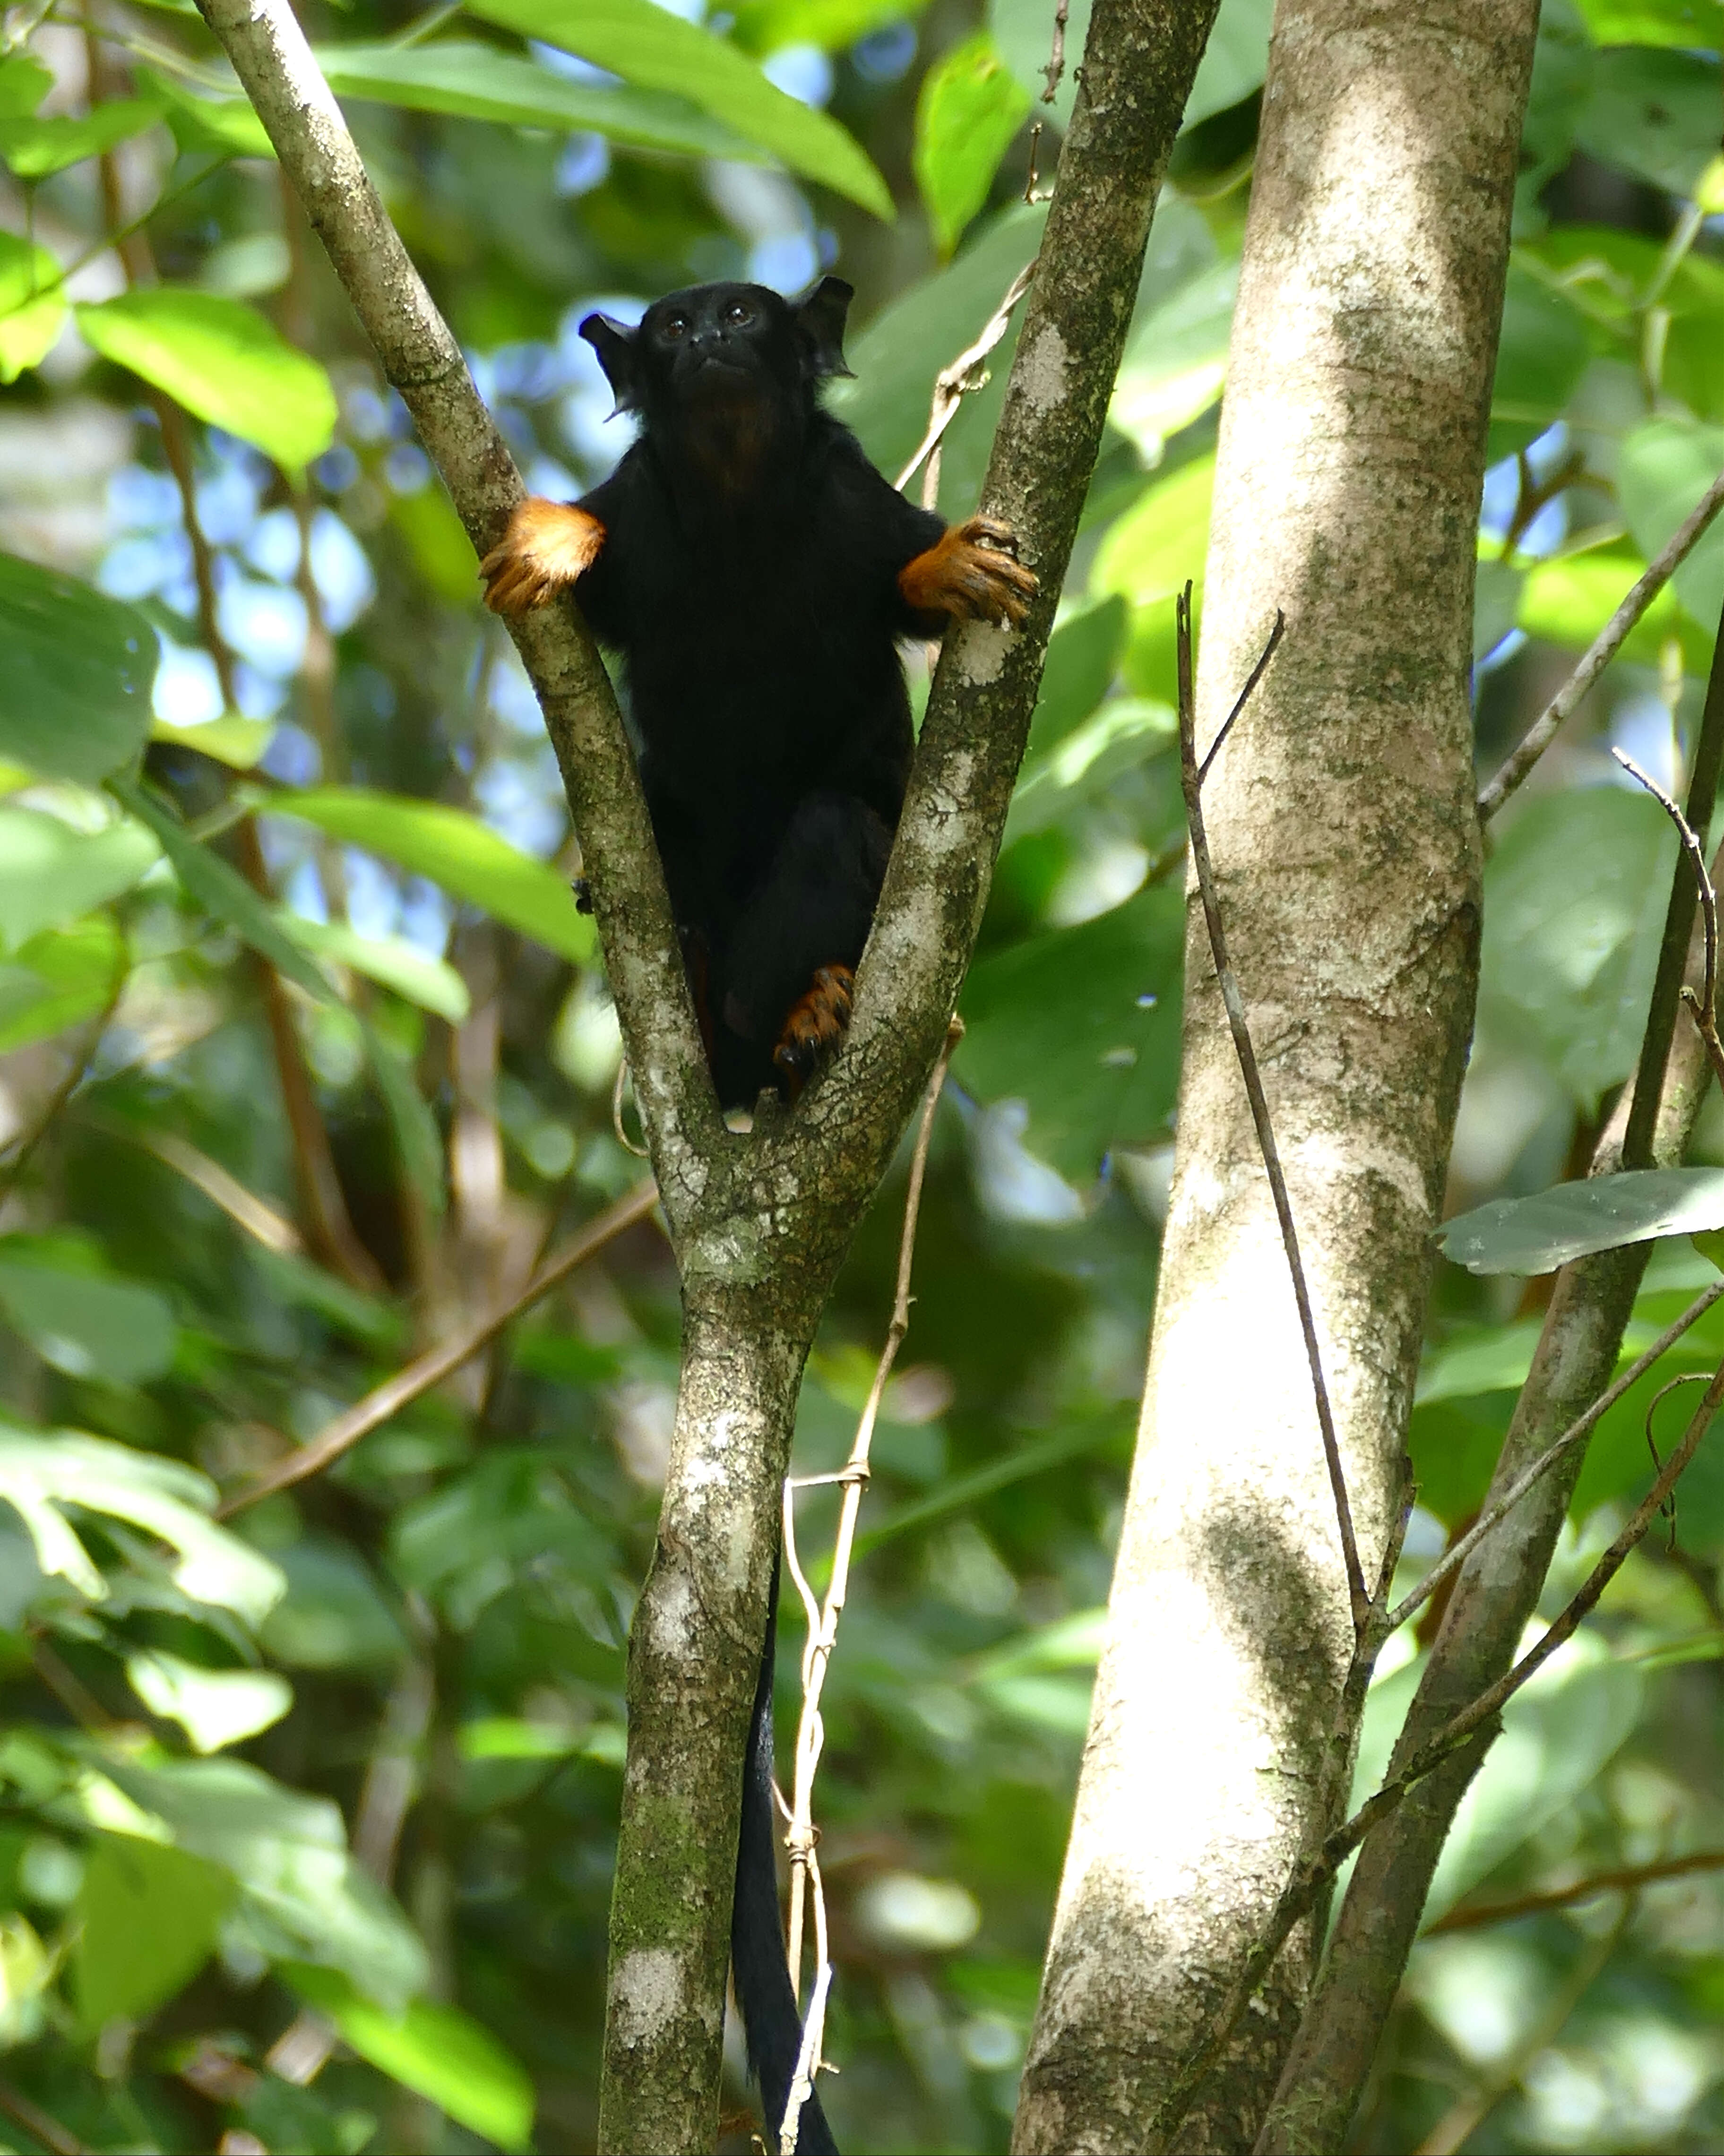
(770, 2020)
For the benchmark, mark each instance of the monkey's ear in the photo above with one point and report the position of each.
(820, 320)
(615, 347)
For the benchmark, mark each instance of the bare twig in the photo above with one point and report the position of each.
(1603, 649)
(800, 1838)
(619, 1128)
(1056, 66)
(259, 1220)
(430, 1370)
(1313, 1873)
(964, 375)
(1452, 1559)
(1701, 1008)
(1191, 780)
(41, 2125)
(1624, 1878)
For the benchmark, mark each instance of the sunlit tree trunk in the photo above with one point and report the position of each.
(1347, 851)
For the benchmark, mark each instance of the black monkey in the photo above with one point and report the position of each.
(756, 572)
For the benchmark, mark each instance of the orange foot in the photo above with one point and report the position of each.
(815, 1030)
(547, 546)
(971, 573)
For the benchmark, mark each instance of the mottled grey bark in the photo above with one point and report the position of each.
(1498, 1588)
(759, 1222)
(1346, 847)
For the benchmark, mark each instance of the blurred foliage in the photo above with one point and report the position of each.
(306, 1814)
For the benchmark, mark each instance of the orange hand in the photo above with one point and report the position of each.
(971, 573)
(547, 546)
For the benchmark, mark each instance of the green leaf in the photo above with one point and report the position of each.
(1234, 62)
(439, 2052)
(969, 109)
(60, 979)
(35, 148)
(43, 1472)
(1538, 1233)
(764, 27)
(1117, 738)
(1667, 464)
(144, 1923)
(303, 1898)
(898, 356)
(1082, 1023)
(1496, 594)
(239, 744)
(224, 362)
(1540, 355)
(432, 983)
(1176, 360)
(222, 891)
(655, 50)
(75, 672)
(214, 1707)
(25, 82)
(466, 858)
(211, 126)
(1161, 541)
(33, 306)
(1484, 1359)
(50, 873)
(1083, 655)
(86, 1325)
(1694, 23)
(1653, 112)
(332, 1616)
(507, 1737)
(1567, 601)
(438, 542)
(478, 81)
(1574, 906)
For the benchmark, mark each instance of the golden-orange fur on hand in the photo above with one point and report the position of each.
(815, 1030)
(971, 573)
(547, 546)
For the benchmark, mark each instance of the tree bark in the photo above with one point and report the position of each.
(1341, 818)
(1498, 1588)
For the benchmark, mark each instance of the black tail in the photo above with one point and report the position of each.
(757, 1938)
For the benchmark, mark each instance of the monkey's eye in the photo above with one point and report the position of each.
(738, 315)
(674, 325)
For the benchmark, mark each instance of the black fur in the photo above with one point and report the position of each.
(748, 578)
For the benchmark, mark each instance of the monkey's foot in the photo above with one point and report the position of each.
(815, 1030)
(547, 546)
(971, 573)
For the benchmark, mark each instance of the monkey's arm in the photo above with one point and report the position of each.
(548, 547)
(971, 573)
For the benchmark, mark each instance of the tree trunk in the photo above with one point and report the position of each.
(1341, 818)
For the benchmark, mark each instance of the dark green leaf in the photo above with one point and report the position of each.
(1654, 112)
(1083, 1025)
(82, 1323)
(1541, 354)
(75, 670)
(1667, 464)
(1538, 1233)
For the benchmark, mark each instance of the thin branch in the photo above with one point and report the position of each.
(259, 1220)
(1604, 647)
(431, 1368)
(960, 379)
(42, 2125)
(1191, 781)
(1452, 1559)
(1056, 65)
(1313, 1874)
(800, 1838)
(1703, 1007)
(1624, 1878)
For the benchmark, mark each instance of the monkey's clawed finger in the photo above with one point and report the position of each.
(549, 546)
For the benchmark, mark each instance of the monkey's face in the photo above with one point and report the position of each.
(724, 349)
